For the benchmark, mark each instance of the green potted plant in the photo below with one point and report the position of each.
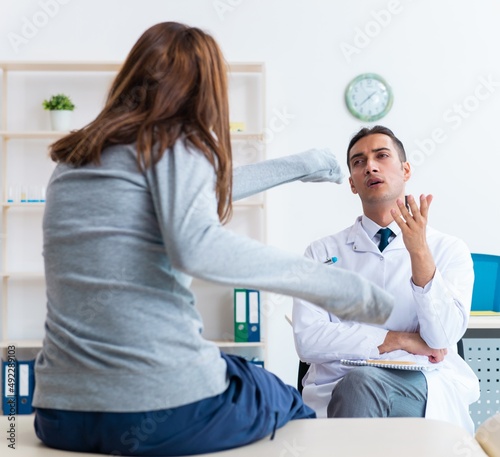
(60, 107)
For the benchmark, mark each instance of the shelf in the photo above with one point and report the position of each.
(23, 205)
(234, 344)
(22, 275)
(250, 204)
(246, 67)
(236, 67)
(238, 204)
(32, 135)
(21, 344)
(247, 136)
(49, 135)
(60, 66)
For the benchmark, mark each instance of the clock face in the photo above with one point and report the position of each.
(368, 97)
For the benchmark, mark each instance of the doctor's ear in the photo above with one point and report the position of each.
(406, 170)
(353, 189)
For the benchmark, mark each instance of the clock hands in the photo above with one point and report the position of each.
(368, 98)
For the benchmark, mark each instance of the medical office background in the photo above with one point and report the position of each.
(440, 58)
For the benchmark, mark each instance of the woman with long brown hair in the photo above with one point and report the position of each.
(134, 206)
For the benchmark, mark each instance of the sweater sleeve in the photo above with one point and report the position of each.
(182, 188)
(315, 165)
(322, 338)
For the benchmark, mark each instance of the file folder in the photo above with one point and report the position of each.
(253, 315)
(9, 394)
(240, 316)
(26, 385)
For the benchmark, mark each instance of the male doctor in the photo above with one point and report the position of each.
(431, 276)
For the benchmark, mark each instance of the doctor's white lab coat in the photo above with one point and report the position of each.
(439, 312)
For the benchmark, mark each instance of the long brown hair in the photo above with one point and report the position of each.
(173, 83)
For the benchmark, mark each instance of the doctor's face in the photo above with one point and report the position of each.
(377, 173)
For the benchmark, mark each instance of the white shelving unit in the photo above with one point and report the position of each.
(24, 139)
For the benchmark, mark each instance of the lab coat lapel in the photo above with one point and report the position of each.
(359, 239)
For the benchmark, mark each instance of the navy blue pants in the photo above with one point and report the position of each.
(255, 404)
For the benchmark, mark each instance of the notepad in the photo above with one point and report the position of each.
(393, 364)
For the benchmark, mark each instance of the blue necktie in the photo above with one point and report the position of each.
(385, 233)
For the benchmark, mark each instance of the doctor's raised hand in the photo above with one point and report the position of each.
(413, 225)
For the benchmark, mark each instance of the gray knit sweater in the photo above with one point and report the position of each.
(120, 247)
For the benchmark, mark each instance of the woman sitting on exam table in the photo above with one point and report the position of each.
(134, 208)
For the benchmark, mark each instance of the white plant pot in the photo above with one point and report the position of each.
(61, 120)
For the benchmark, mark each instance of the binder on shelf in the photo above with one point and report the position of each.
(9, 394)
(253, 315)
(26, 386)
(246, 315)
(240, 316)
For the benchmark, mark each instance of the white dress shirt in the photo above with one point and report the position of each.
(439, 312)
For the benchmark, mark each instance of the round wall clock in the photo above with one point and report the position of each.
(368, 97)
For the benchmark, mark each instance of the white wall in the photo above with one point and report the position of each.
(441, 58)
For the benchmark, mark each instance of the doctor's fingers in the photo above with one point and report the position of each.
(425, 203)
(417, 215)
(403, 218)
(414, 212)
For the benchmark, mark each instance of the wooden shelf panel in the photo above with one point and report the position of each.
(50, 134)
(234, 67)
(32, 135)
(22, 275)
(247, 136)
(22, 343)
(60, 66)
(24, 205)
(246, 67)
(234, 344)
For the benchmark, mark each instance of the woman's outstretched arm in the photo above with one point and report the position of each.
(315, 165)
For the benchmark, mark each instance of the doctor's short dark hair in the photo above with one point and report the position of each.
(365, 131)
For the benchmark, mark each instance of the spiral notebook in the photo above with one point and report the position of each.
(393, 364)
